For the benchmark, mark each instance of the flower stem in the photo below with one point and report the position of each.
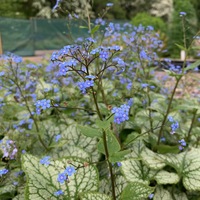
(168, 109)
(191, 125)
(105, 147)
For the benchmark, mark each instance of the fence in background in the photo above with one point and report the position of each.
(24, 37)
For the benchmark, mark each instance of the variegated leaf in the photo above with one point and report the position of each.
(42, 180)
(136, 191)
(164, 177)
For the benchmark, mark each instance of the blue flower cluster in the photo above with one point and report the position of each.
(45, 160)
(3, 171)
(121, 113)
(174, 125)
(182, 144)
(57, 137)
(58, 193)
(85, 85)
(9, 149)
(42, 104)
(24, 123)
(62, 177)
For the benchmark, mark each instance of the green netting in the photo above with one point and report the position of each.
(16, 36)
(24, 37)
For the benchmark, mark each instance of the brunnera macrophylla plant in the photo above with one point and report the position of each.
(95, 123)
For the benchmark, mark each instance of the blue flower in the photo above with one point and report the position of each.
(23, 151)
(130, 102)
(56, 5)
(119, 61)
(182, 142)
(45, 160)
(2, 73)
(58, 193)
(62, 178)
(174, 126)
(151, 196)
(3, 171)
(143, 55)
(104, 55)
(170, 118)
(63, 69)
(84, 85)
(109, 4)
(15, 183)
(100, 21)
(121, 113)
(144, 85)
(57, 137)
(115, 48)
(182, 14)
(42, 104)
(17, 59)
(162, 139)
(70, 170)
(119, 164)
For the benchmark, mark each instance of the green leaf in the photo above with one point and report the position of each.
(42, 180)
(119, 156)
(187, 107)
(104, 124)
(19, 197)
(136, 171)
(187, 164)
(94, 195)
(152, 160)
(120, 184)
(163, 148)
(181, 47)
(112, 144)
(83, 27)
(136, 191)
(191, 170)
(174, 160)
(132, 137)
(162, 194)
(164, 177)
(95, 29)
(74, 138)
(70, 151)
(192, 66)
(89, 132)
(7, 191)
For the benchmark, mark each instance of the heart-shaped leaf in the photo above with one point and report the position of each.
(164, 177)
(42, 180)
(136, 191)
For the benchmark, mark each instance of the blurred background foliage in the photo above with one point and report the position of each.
(163, 15)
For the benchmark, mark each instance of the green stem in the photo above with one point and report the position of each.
(150, 117)
(105, 147)
(28, 108)
(102, 93)
(191, 126)
(34, 120)
(168, 109)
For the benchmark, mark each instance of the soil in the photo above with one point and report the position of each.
(189, 86)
